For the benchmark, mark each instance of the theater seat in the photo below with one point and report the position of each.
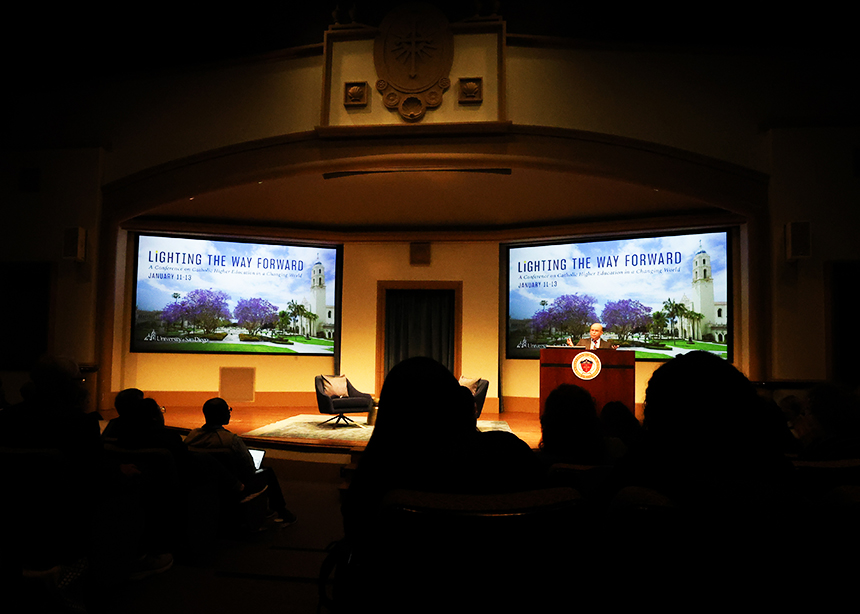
(38, 483)
(477, 552)
(246, 510)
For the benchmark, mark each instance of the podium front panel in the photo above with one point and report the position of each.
(616, 380)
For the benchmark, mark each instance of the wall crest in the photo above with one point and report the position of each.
(413, 54)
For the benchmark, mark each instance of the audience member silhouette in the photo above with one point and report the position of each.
(571, 431)
(829, 424)
(161, 461)
(3, 401)
(405, 451)
(709, 432)
(53, 415)
(123, 403)
(501, 461)
(248, 480)
(141, 426)
(64, 473)
(619, 421)
(53, 412)
(426, 440)
(711, 485)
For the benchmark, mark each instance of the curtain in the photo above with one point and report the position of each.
(419, 323)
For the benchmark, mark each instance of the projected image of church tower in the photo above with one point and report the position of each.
(706, 319)
(318, 320)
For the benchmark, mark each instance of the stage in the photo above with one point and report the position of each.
(246, 419)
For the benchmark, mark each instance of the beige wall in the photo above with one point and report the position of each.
(814, 180)
(476, 264)
(204, 109)
(68, 196)
(708, 104)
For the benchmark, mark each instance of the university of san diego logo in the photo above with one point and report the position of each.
(586, 365)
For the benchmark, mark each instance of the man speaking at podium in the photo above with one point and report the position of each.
(596, 342)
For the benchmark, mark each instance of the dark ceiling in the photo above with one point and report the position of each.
(75, 45)
(75, 41)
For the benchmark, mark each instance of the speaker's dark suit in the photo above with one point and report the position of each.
(603, 344)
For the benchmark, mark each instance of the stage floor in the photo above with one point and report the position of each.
(525, 425)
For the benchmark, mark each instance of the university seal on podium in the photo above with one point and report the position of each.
(586, 365)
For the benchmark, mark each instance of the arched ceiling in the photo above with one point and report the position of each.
(514, 179)
(427, 200)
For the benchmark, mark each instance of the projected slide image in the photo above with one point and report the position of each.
(657, 296)
(211, 296)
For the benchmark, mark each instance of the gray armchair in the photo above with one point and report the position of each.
(337, 396)
(479, 389)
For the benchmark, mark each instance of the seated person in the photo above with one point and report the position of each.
(571, 431)
(499, 460)
(142, 440)
(141, 425)
(53, 413)
(123, 403)
(404, 453)
(425, 439)
(52, 416)
(618, 421)
(709, 431)
(213, 436)
(828, 425)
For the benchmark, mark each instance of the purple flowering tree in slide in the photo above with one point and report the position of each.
(173, 314)
(206, 308)
(625, 316)
(569, 315)
(253, 314)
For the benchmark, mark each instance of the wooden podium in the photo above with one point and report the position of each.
(615, 381)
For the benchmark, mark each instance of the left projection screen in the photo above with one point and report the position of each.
(212, 296)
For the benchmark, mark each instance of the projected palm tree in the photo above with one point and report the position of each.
(673, 311)
(658, 323)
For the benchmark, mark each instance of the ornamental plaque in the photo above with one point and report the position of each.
(413, 54)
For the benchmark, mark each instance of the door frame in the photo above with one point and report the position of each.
(383, 286)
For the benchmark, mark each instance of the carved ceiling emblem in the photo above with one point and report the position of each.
(413, 54)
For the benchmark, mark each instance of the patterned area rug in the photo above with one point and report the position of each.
(306, 426)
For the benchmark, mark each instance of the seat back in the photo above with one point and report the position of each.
(479, 389)
(481, 395)
(224, 457)
(589, 480)
(36, 481)
(237, 512)
(323, 400)
(155, 463)
(449, 547)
